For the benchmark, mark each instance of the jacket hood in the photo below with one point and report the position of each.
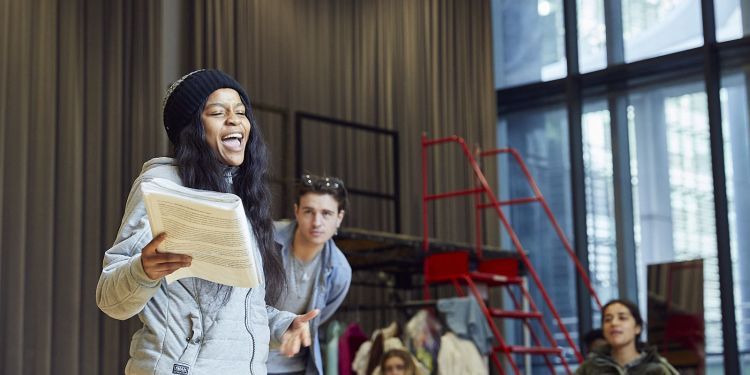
(606, 350)
(158, 162)
(156, 168)
(284, 231)
(604, 355)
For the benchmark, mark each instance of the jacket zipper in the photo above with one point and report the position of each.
(250, 331)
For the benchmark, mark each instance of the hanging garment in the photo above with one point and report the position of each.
(459, 356)
(332, 348)
(422, 337)
(464, 317)
(349, 342)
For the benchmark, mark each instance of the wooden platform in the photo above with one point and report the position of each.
(398, 253)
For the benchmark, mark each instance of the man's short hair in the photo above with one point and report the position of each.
(333, 186)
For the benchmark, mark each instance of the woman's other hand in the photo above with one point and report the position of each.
(298, 334)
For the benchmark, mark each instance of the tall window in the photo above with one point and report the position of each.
(529, 41)
(734, 100)
(728, 19)
(541, 139)
(600, 210)
(645, 124)
(592, 36)
(674, 188)
(653, 28)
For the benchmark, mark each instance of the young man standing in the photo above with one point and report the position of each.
(318, 274)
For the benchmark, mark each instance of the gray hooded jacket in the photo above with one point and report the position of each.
(179, 335)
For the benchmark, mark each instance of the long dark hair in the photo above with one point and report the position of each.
(634, 311)
(200, 168)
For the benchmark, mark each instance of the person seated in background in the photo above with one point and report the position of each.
(397, 362)
(593, 340)
(317, 272)
(624, 353)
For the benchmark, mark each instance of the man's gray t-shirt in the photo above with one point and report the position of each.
(300, 278)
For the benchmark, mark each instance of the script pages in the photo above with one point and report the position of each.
(209, 226)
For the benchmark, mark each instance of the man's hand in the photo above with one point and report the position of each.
(156, 264)
(298, 334)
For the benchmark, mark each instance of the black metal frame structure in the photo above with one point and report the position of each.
(284, 114)
(613, 83)
(395, 197)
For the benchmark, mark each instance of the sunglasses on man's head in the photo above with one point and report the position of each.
(321, 182)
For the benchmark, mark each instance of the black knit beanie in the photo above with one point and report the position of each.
(186, 95)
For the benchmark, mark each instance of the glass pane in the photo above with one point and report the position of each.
(728, 15)
(529, 41)
(734, 106)
(673, 192)
(541, 138)
(658, 27)
(600, 202)
(592, 38)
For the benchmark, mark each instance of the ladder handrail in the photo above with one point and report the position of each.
(538, 196)
(545, 329)
(495, 204)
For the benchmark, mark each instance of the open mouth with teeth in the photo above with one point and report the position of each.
(232, 141)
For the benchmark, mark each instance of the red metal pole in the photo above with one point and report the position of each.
(478, 218)
(431, 142)
(520, 250)
(545, 329)
(514, 238)
(493, 326)
(558, 230)
(548, 212)
(533, 335)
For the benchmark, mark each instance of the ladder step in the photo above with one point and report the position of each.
(515, 314)
(492, 279)
(529, 349)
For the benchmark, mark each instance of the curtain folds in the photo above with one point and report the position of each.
(410, 66)
(80, 94)
(81, 84)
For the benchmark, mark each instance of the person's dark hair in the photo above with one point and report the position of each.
(409, 367)
(634, 311)
(590, 337)
(332, 186)
(200, 168)
(376, 353)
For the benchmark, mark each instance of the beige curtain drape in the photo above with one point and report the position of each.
(80, 91)
(81, 84)
(410, 66)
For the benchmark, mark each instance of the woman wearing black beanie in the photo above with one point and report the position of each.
(194, 326)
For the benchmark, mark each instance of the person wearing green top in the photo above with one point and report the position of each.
(624, 353)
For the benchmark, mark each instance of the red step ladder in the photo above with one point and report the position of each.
(453, 268)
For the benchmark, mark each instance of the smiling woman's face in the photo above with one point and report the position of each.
(620, 328)
(226, 126)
